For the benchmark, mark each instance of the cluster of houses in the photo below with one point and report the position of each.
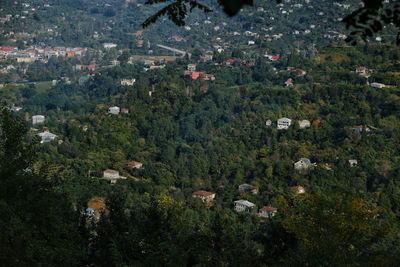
(113, 176)
(33, 53)
(243, 205)
(285, 123)
(194, 74)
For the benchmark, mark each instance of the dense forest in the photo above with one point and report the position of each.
(207, 135)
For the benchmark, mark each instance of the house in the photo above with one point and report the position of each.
(363, 71)
(289, 82)
(109, 45)
(267, 212)
(303, 165)
(127, 82)
(353, 162)
(243, 205)
(15, 108)
(96, 206)
(205, 196)
(230, 61)
(361, 128)
(248, 188)
(36, 119)
(251, 43)
(191, 67)
(298, 189)
(112, 176)
(284, 123)
(377, 85)
(47, 137)
(114, 110)
(268, 122)
(135, 164)
(125, 110)
(317, 122)
(304, 124)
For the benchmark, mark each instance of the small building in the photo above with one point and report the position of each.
(96, 206)
(114, 110)
(36, 119)
(135, 164)
(377, 85)
(284, 123)
(267, 212)
(303, 165)
(47, 137)
(268, 123)
(191, 67)
(298, 189)
(248, 188)
(363, 71)
(112, 176)
(109, 45)
(353, 162)
(244, 205)
(205, 196)
(289, 82)
(125, 110)
(304, 124)
(127, 82)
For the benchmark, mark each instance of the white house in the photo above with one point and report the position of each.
(304, 124)
(377, 85)
(284, 123)
(36, 119)
(243, 205)
(128, 82)
(205, 196)
(353, 162)
(47, 137)
(268, 122)
(114, 110)
(112, 176)
(303, 165)
(109, 45)
(267, 211)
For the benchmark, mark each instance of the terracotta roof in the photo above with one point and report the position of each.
(202, 193)
(268, 208)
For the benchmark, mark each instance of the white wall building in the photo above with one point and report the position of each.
(114, 110)
(284, 123)
(243, 205)
(36, 119)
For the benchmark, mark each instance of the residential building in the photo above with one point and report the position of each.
(267, 212)
(289, 82)
(268, 122)
(298, 189)
(353, 162)
(244, 205)
(135, 164)
(112, 176)
(304, 124)
(363, 71)
(96, 206)
(125, 110)
(114, 110)
(377, 85)
(47, 137)
(127, 82)
(303, 165)
(248, 188)
(191, 67)
(284, 123)
(109, 45)
(36, 119)
(205, 196)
